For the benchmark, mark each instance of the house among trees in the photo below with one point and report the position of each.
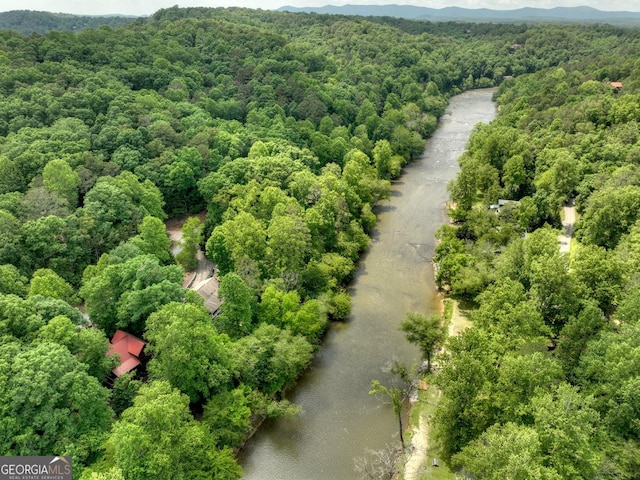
(129, 348)
(513, 48)
(501, 203)
(616, 85)
(208, 290)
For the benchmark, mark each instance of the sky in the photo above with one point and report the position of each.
(147, 7)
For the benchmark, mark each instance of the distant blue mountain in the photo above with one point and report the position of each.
(520, 15)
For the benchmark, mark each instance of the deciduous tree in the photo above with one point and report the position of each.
(58, 177)
(157, 438)
(152, 238)
(269, 359)
(187, 351)
(236, 310)
(190, 244)
(11, 281)
(48, 283)
(427, 333)
(505, 451)
(397, 392)
(53, 405)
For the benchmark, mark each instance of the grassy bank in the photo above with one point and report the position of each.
(423, 411)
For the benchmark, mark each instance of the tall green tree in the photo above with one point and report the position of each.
(89, 345)
(427, 333)
(505, 451)
(569, 431)
(465, 409)
(48, 283)
(157, 438)
(227, 414)
(288, 244)
(55, 243)
(114, 208)
(397, 392)
(52, 405)
(49, 307)
(270, 359)
(125, 389)
(243, 236)
(153, 238)
(610, 213)
(238, 304)
(190, 245)
(58, 177)
(11, 281)
(11, 180)
(19, 318)
(124, 294)
(187, 351)
(382, 157)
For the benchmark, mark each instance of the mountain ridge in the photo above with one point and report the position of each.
(580, 14)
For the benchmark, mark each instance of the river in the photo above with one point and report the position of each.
(340, 420)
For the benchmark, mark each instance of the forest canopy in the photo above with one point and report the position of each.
(30, 21)
(286, 130)
(545, 373)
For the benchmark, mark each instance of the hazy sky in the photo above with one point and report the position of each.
(145, 7)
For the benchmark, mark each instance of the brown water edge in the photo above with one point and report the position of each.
(339, 419)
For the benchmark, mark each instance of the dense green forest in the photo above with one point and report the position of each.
(545, 383)
(28, 21)
(287, 129)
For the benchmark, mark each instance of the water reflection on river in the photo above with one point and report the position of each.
(339, 420)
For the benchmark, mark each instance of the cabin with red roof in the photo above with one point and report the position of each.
(129, 348)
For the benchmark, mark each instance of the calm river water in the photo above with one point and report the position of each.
(339, 419)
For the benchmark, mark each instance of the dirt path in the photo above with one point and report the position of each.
(419, 448)
(568, 221)
(202, 279)
(416, 460)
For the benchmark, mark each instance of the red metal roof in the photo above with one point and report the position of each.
(129, 348)
(119, 335)
(616, 84)
(126, 366)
